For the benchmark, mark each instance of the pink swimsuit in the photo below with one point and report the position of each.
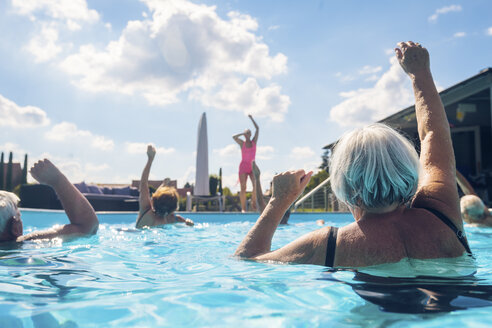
(248, 155)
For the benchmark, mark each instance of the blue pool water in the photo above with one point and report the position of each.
(184, 276)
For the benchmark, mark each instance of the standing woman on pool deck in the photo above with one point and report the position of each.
(248, 153)
(375, 171)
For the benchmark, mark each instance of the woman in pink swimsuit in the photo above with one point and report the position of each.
(248, 152)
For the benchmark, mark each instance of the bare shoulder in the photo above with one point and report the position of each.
(440, 197)
(148, 219)
(307, 249)
(368, 242)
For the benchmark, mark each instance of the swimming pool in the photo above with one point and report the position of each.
(184, 276)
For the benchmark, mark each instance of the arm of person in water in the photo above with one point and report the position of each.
(144, 202)
(464, 184)
(310, 248)
(259, 192)
(437, 184)
(181, 219)
(237, 139)
(257, 129)
(83, 219)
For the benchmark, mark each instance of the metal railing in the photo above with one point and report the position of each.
(320, 199)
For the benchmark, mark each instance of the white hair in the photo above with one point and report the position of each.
(8, 207)
(374, 167)
(473, 207)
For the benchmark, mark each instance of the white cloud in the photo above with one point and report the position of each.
(73, 26)
(302, 153)
(307, 166)
(389, 94)
(231, 150)
(389, 51)
(76, 171)
(265, 152)
(459, 34)
(369, 69)
(43, 46)
(232, 182)
(444, 10)
(17, 152)
(67, 10)
(13, 115)
(188, 176)
(366, 70)
(68, 132)
(90, 167)
(489, 31)
(137, 148)
(248, 97)
(186, 47)
(371, 78)
(344, 77)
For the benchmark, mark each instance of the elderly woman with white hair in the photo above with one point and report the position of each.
(473, 210)
(404, 206)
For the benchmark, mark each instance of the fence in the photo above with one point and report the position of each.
(320, 199)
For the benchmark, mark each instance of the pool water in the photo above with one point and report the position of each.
(179, 276)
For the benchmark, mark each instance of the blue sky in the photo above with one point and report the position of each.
(88, 83)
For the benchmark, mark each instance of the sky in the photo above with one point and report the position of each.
(89, 83)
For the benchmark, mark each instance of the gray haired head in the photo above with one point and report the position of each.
(472, 208)
(374, 167)
(8, 207)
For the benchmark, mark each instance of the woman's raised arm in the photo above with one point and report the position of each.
(144, 198)
(257, 129)
(237, 139)
(437, 184)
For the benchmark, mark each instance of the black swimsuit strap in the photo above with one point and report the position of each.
(331, 246)
(459, 234)
(141, 216)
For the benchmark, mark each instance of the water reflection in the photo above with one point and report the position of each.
(421, 294)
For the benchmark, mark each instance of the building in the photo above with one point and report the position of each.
(167, 182)
(468, 106)
(156, 183)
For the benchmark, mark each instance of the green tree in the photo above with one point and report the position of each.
(316, 179)
(213, 183)
(220, 181)
(226, 191)
(8, 185)
(325, 160)
(2, 173)
(24, 171)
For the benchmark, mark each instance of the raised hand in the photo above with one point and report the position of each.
(289, 185)
(151, 152)
(413, 58)
(46, 172)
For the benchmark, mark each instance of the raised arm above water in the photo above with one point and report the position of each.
(437, 184)
(83, 219)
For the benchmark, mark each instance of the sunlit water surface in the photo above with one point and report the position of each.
(185, 276)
